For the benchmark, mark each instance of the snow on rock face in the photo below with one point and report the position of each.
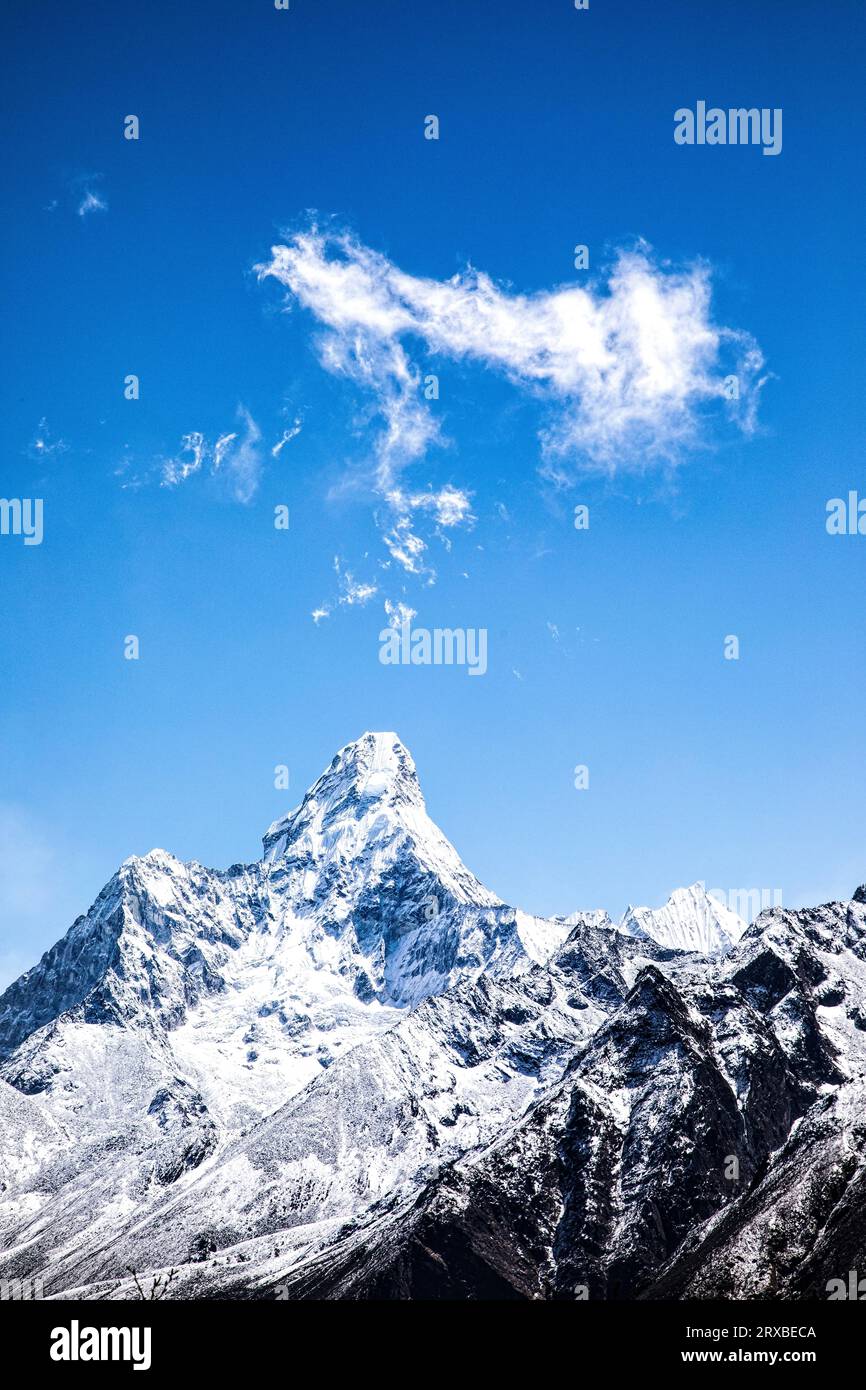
(274, 1072)
(28, 1137)
(617, 1179)
(595, 917)
(383, 1117)
(690, 920)
(361, 816)
(249, 983)
(359, 896)
(361, 858)
(375, 774)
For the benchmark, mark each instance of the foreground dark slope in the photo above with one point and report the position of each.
(348, 1070)
(616, 1184)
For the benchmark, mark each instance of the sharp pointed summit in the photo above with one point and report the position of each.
(373, 773)
(238, 1073)
(691, 920)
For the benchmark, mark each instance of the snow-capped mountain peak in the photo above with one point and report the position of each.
(301, 1070)
(373, 774)
(363, 830)
(359, 907)
(691, 920)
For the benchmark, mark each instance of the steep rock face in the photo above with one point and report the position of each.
(690, 920)
(604, 961)
(189, 1004)
(362, 855)
(350, 1070)
(687, 1097)
(391, 1112)
(257, 977)
(152, 945)
(28, 1139)
(795, 1229)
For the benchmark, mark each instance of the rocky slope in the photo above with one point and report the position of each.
(691, 920)
(348, 1070)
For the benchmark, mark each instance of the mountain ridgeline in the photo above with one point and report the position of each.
(350, 1071)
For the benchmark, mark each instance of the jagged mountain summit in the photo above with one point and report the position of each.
(690, 920)
(350, 1070)
(358, 901)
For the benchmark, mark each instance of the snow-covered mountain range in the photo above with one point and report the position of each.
(350, 1070)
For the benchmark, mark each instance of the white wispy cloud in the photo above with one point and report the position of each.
(406, 547)
(398, 613)
(626, 368)
(446, 508)
(91, 202)
(241, 458)
(235, 456)
(450, 506)
(365, 324)
(358, 593)
(188, 460)
(287, 436)
(353, 592)
(222, 447)
(45, 443)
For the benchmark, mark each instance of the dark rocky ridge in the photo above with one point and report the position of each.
(350, 1071)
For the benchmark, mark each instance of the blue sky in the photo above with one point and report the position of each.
(605, 646)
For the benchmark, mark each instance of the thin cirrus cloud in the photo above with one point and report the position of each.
(235, 456)
(398, 613)
(44, 443)
(449, 507)
(626, 371)
(91, 202)
(287, 436)
(625, 368)
(82, 195)
(353, 593)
